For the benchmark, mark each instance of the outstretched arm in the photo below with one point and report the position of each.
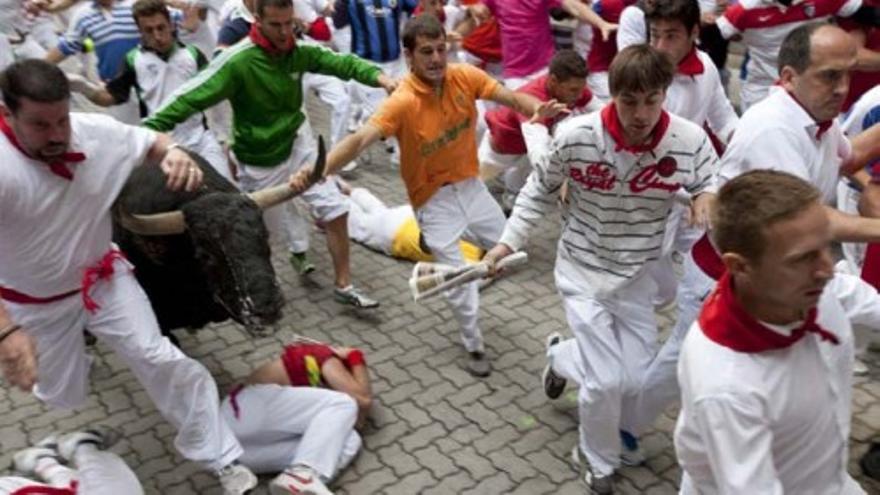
(347, 150)
(585, 14)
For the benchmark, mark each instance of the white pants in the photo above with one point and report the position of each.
(181, 388)
(324, 199)
(514, 83)
(660, 385)
(616, 338)
(514, 169)
(282, 426)
(372, 223)
(98, 473)
(6, 57)
(463, 209)
(334, 93)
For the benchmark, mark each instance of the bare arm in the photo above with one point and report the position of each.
(18, 354)
(54, 56)
(95, 93)
(853, 228)
(865, 148)
(586, 14)
(354, 383)
(345, 151)
(527, 104)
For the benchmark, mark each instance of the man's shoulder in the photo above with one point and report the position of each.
(685, 132)
(580, 128)
(713, 370)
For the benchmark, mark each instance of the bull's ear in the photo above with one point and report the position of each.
(320, 163)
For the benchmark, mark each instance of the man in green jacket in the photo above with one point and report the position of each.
(261, 77)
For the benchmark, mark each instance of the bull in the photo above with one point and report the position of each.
(202, 256)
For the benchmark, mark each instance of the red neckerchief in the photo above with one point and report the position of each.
(725, 322)
(691, 65)
(706, 257)
(57, 167)
(871, 265)
(612, 124)
(47, 490)
(257, 37)
(822, 126)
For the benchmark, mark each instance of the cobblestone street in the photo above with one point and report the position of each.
(434, 428)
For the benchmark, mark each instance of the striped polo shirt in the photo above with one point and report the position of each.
(619, 197)
(375, 27)
(113, 32)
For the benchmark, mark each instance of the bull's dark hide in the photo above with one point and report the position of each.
(219, 268)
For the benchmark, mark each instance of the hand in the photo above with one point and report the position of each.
(299, 180)
(181, 171)
(708, 18)
(607, 29)
(494, 255)
(79, 84)
(548, 109)
(387, 83)
(18, 358)
(701, 210)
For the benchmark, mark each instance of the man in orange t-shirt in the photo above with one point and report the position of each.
(433, 115)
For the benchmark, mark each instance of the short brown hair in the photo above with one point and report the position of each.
(424, 25)
(639, 68)
(566, 65)
(147, 8)
(35, 80)
(753, 201)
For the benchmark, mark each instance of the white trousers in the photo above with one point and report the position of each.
(98, 473)
(334, 93)
(324, 199)
(514, 169)
(180, 387)
(204, 142)
(463, 209)
(282, 426)
(660, 388)
(616, 337)
(372, 223)
(751, 93)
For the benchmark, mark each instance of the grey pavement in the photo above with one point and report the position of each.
(434, 428)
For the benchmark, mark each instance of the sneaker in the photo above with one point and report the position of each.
(102, 437)
(599, 484)
(478, 364)
(554, 384)
(630, 454)
(301, 263)
(300, 481)
(236, 479)
(25, 461)
(353, 297)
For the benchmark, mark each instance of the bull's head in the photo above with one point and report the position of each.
(231, 245)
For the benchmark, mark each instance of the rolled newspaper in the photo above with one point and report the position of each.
(429, 279)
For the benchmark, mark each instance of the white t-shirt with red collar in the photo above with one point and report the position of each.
(619, 197)
(52, 228)
(696, 94)
(764, 24)
(778, 134)
(761, 418)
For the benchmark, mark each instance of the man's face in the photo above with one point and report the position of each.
(670, 37)
(427, 60)
(639, 112)
(796, 264)
(434, 7)
(566, 92)
(823, 86)
(43, 129)
(157, 34)
(276, 24)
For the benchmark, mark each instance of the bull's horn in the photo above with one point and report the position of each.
(271, 196)
(168, 223)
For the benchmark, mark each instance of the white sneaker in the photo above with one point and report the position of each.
(25, 461)
(299, 481)
(631, 452)
(236, 479)
(101, 436)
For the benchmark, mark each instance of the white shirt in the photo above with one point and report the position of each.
(5, 52)
(764, 24)
(864, 113)
(701, 99)
(618, 201)
(776, 421)
(51, 229)
(158, 79)
(631, 28)
(778, 134)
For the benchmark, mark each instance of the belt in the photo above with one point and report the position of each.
(101, 270)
